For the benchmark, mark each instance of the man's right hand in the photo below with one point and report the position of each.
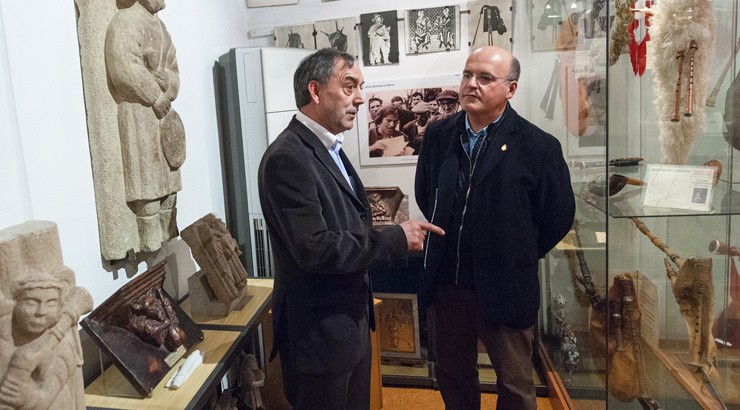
(415, 232)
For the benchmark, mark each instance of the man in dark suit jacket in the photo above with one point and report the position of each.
(320, 226)
(501, 189)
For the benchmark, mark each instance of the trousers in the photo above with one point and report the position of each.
(457, 326)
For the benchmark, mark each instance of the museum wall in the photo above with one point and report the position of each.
(45, 166)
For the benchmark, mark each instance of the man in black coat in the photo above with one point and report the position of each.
(320, 226)
(500, 188)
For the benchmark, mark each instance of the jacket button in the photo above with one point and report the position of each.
(363, 216)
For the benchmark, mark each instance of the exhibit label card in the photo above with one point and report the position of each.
(679, 186)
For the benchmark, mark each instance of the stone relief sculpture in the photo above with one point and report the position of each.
(40, 351)
(143, 79)
(217, 254)
(137, 139)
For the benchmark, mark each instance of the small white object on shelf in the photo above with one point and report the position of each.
(188, 367)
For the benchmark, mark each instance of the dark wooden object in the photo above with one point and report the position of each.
(142, 362)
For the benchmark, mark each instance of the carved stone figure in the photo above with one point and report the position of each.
(253, 378)
(143, 80)
(558, 313)
(137, 140)
(217, 254)
(40, 351)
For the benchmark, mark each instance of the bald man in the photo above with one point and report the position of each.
(500, 188)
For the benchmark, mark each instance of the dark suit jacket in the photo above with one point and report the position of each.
(323, 246)
(521, 204)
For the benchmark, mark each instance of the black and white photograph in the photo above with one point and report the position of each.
(339, 34)
(489, 24)
(379, 33)
(300, 36)
(432, 29)
(397, 114)
(547, 20)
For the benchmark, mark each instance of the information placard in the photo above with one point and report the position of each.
(679, 186)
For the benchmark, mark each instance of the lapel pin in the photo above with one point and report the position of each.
(503, 147)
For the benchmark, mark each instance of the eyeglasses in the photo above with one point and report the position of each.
(482, 78)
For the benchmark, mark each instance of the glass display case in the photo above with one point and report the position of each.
(640, 300)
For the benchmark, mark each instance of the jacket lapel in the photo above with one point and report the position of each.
(498, 146)
(322, 153)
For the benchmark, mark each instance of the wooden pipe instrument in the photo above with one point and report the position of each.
(689, 111)
(677, 95)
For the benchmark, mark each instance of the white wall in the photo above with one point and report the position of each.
(45, 170)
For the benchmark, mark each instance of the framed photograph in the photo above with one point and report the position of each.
(393, 119)
(489, 24)
(268, 3)
(379, 34)
(432, 29)
(339, 34)
(547, 20)
(301, 36)
(398, 326)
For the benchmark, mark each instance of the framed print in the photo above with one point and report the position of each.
(393, 119)
(547, 20)
(268, 3)
(432, 29)
(489, 24)
(379, 34)
(301, 36)
(339, 34)
(398, 326)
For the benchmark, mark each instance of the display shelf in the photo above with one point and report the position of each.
(259, 292)
(111, 390)
(671, 315)
(628, 203)
(224, 339)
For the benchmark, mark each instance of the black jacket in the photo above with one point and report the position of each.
(520, 206)
(324, 245)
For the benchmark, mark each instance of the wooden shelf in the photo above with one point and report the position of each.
(108, 390)
(222, 343)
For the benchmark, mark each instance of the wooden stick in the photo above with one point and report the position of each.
(657, 242)
(712, 99)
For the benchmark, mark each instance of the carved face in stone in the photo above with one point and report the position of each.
(36, 310)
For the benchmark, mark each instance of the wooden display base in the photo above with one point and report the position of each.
(103, 392)
(676, 363)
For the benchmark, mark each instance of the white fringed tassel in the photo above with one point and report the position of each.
(673, 26)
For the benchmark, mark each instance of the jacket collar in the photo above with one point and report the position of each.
(501, 139)
(322, 154)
